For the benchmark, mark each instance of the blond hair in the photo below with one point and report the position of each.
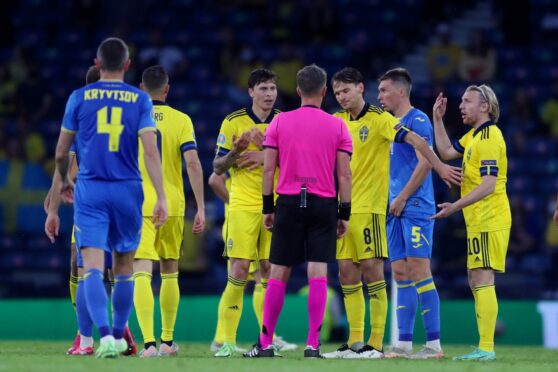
(487, 95)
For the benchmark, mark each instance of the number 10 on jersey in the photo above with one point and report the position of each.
(113, 128)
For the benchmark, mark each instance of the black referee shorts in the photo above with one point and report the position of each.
(304, 234)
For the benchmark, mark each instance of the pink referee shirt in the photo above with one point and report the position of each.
(307, 140)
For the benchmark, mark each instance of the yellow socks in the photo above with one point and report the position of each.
(73, 289)
(144, 303)
(378, 313)
(486, 308)
(354, 306)
(233, 298)
(169, 298)
(257, 303)
(219, 332)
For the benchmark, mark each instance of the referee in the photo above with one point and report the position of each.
(308, 145)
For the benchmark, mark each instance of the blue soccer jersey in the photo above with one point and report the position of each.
(403, 161)
(107, 117)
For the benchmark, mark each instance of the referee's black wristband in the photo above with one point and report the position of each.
(344, 211)
(268, 204)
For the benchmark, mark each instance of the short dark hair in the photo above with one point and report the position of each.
(93, 75)
(398, 75)
(113, 54)
(348, 75)
(261, 75)
(154, 78)
(311, 79)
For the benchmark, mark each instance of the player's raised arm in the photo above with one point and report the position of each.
(443, 143)
(450, 175)
(221, 164)
(153, 164)
(195, 175)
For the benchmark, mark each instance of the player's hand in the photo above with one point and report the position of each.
(199, 222)
(397, 206)
(342, 228)
(555, 218)
(67, 191)
(46, 203)
(241, 144)
(250, 160)
(439, 109)
(446, 210)
(160, 213)
(269, 220)
(52, 225)
(257, 137)
(449, 174)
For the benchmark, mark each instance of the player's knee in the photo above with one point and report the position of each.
(239, 268)
(265, 267)
(348, 277)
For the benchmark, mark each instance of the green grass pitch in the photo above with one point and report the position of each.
(49, 356)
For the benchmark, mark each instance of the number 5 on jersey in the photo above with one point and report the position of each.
(113, 128)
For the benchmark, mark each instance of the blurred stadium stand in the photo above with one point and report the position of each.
(210, 46)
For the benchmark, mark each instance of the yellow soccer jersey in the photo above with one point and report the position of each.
(175, 135)
(372, 132)
(484, 153)
(246, 185)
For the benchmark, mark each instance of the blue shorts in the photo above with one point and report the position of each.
(108, 259)
(107, 215)
(409, 236)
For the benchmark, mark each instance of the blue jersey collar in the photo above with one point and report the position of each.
(159, 103)
(485, 125)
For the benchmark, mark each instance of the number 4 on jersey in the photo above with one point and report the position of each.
(113, 128)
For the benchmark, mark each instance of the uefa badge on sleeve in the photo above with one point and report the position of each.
(229, 244)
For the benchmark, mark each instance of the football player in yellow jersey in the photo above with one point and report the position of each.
(483, 200)
(221, 186)
(363, 250)
(240, 153)
(176, 139)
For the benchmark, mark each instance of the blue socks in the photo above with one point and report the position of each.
(430, 303)
(406, 310)
(97, 300)
(85, 323)
(122, 302)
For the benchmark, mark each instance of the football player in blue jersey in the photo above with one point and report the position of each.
(409, 229)
(106, 119)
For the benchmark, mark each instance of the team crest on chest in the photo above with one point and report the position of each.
(363, 134)
(469, 154)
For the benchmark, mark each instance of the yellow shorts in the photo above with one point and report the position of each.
(487, 250)
(365, 239)
(73, 237)
(166, 242)
(246, 237)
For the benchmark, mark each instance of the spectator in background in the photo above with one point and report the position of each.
(550, 111)
(478, 60)
(33, 99)
(522, 241)
(7, 91)
(443, 56)
(168, 56)
(286, 67)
